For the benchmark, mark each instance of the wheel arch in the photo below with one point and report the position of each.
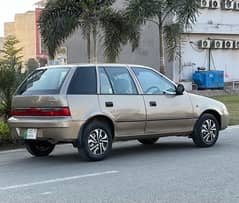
(215, 114)
(101, 118)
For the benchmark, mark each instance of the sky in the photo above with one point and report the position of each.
(9, 8)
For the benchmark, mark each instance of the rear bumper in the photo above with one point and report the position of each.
(57, 129)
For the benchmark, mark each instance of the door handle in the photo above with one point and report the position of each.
(109, 104)
(152, 103)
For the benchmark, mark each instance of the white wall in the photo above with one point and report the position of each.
(222, 59)
(214, 24)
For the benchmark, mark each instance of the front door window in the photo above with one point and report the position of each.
(153, 83)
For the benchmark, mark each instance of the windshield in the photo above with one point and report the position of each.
(44, 81)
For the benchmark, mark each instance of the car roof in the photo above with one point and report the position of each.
(90, 65)
(102, 64)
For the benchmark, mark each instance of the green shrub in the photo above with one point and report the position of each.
(5, 135)
(1, 108)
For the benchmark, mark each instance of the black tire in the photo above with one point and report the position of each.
(148, 141)
(93, 148)
(206, 131)
(39, 148)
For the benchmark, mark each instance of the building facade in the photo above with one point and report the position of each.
(217, 24)
(25, 29)
(212, 43)
(146, 54)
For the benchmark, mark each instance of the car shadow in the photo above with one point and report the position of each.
(128, 149)
(160, 148)
(119, 152)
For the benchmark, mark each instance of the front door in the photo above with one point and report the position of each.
(120, 100)
(166, 111)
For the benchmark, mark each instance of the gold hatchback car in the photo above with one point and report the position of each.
(93, 105)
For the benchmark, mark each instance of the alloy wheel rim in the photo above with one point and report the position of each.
(209, 131)
(98, 141)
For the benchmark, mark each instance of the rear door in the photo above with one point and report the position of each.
(82, 93)
(166, 111)
(119, 98)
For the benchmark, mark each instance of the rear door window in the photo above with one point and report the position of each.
(44, 81)
(105, 86)
(83, 81)
(116, 80)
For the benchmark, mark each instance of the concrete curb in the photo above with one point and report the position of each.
(11, 151)
(233, 127)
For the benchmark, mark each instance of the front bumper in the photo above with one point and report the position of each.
(57, 129)
(224, 120)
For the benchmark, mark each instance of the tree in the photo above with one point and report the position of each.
(159, 12)
(31, 65)
(7, 88)
(10, 52)
(61, 18)
(10, 74)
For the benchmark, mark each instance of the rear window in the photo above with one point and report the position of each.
(44, 81)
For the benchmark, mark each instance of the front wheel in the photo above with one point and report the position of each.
(39, 148)
(96, 141)
(206, 131)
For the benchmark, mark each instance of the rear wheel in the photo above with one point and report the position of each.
(96, 141)
(148, 141)
(39, 148)
(206, 131)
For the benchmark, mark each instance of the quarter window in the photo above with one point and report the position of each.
(84, 81)
(153, 83)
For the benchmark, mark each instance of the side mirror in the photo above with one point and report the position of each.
(180, 89)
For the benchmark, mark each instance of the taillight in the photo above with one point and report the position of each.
(61, 111)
